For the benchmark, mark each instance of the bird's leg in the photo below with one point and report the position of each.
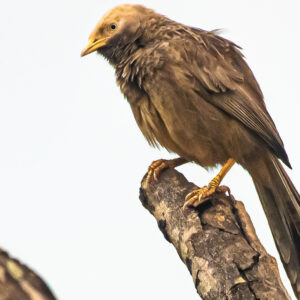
(195, 197)
(159, 165)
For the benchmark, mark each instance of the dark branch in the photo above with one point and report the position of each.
(19, 282)
(217, 242)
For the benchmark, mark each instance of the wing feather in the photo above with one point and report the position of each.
(226, 81)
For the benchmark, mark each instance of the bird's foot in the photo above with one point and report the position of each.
(159, 165)
(203, 194)
(156, 168)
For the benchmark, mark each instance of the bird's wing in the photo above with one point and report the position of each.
(224, 79)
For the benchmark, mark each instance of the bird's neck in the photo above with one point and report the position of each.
(134, 61)
(155, 30)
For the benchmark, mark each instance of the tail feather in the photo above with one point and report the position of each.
(281, 203)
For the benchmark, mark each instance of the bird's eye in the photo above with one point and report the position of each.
(113, 26)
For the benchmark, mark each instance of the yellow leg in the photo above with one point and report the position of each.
(195, 197)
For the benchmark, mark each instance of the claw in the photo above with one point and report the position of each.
(199, 196)
(159, 165)
(155, 169)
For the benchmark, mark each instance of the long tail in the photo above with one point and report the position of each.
(281, 203)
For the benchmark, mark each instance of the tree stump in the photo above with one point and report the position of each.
(216, 241)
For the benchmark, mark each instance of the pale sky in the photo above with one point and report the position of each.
(72, 157)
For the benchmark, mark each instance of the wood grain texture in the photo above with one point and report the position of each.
(217, 242)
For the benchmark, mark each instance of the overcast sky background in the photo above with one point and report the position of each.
(72, 157)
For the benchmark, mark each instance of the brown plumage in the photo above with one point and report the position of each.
(192, 92)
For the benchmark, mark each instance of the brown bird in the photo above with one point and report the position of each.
(192, 92)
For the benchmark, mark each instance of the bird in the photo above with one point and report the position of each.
(192, 92)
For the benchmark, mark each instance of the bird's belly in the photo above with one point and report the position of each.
(207, 135)
(187, 134)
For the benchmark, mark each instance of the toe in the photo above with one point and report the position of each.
(154, 170)
(193, 201)
(196, 197)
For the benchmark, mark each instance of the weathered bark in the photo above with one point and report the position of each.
(217, 242)
(18, 282)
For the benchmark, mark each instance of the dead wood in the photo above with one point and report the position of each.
(217, 242)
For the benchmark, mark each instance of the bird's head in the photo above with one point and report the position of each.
(119, 27)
